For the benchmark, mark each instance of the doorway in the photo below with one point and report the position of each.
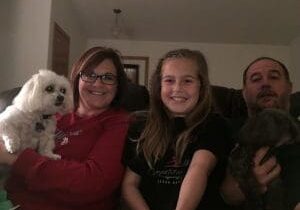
(60, 51)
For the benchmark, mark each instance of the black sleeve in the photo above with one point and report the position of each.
(131, 158)
(289, 158)
(214, 135)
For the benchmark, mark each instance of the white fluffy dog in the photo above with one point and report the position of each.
(30, 121)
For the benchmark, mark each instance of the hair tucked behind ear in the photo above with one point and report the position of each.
(156, 137)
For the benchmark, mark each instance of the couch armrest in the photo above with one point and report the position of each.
(6, 97)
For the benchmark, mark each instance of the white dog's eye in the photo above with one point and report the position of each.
(49, 88)
(62, 90)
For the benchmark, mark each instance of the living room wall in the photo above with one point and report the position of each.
(295, 57)
(64, 15)
(26, 39)
(5, 40)
(226, 61)
(26, 35)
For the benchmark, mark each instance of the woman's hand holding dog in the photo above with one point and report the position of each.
(6, 157)
(267, 171)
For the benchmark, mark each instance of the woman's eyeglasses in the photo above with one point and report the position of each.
(91, 77)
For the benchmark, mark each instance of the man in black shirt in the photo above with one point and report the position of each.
(266, 84)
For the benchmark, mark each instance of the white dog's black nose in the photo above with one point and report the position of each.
(59, 100)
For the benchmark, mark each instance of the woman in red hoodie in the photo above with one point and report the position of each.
(90, 141)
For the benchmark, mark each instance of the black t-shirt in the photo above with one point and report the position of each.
(160, 186)
(289, 160)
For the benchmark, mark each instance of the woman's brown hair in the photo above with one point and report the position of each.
(156, 137)
(90, 60)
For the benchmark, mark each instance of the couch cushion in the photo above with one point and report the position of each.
(6, 97)
(229, 101)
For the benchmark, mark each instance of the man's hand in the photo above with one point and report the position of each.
(267, 171)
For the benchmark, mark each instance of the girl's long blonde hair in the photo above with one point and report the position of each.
(156, 137)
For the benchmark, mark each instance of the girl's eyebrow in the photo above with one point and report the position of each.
(167, 76)
(190, 76)
(183, 76)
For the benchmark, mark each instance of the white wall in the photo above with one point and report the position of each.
(295, 58)
(26, 37)
(6, 39)
(28, 40)
(64, 15)
(226, 61)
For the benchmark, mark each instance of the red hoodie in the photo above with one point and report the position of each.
(87, 177)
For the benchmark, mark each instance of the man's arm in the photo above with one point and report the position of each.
(230, 191)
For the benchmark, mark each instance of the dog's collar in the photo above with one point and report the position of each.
(46, 116)
(39, 127)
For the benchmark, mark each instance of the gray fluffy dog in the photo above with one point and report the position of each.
(273, 128)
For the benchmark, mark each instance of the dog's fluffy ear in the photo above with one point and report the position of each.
(28, 98)
(46, 72)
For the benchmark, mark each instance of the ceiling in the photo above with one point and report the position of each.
(275, 22)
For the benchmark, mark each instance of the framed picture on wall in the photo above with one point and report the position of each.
(132, 72)
(136, 68)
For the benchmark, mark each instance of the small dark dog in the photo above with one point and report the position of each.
(272, 128)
